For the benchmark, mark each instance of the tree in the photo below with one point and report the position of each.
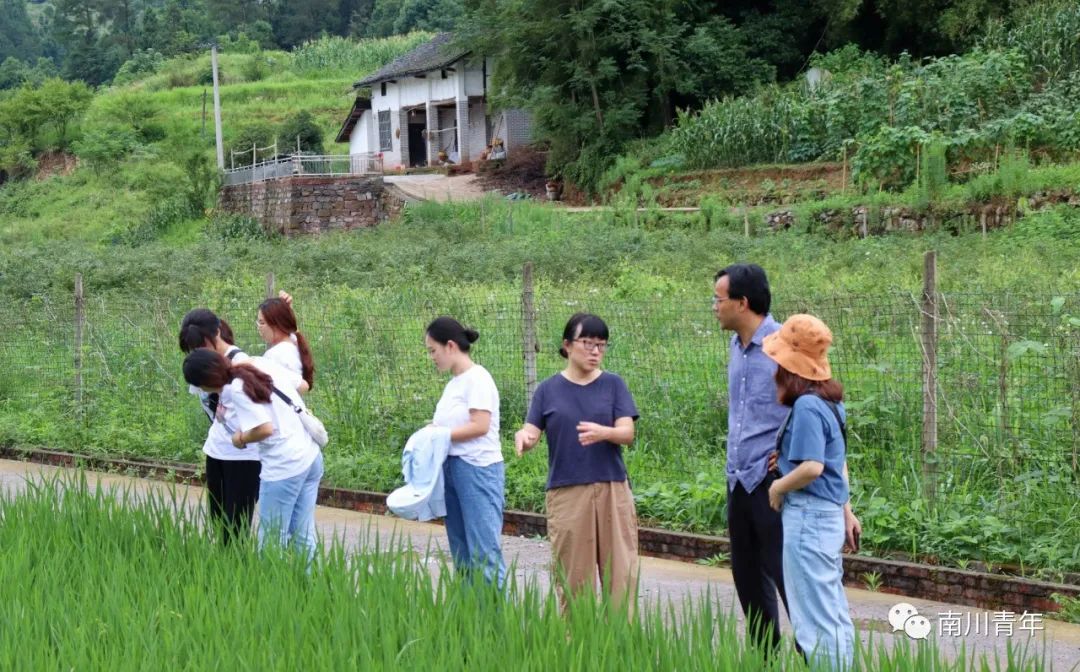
(13, 73)
(598, 73)
(301, 127)
(18, 38)
(296, 21)
(62, 103)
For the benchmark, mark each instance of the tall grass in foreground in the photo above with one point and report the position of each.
(105, 580)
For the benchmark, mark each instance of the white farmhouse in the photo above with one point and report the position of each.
(430, 100)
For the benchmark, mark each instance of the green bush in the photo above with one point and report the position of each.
(141, 64)
(255, 68)
(104, 146)
(257, 134)
(232, 227)
(163, 215)
(300, 132)
(933, 174)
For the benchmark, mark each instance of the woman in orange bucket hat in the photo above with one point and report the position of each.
(813, 493)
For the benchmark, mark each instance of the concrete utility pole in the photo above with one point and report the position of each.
(217, 110)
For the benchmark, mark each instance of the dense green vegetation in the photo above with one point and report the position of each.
(103, 41)
(365, 298)
(939, 137)
(68, 601)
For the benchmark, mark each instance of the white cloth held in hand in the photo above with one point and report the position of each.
(422, 497)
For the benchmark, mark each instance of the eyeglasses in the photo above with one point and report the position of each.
(717, 300)
(599, 346)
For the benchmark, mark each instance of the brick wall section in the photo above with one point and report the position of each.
(518, 129)
(954, 586)
(295, 205)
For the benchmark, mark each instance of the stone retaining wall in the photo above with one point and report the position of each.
(293, 205)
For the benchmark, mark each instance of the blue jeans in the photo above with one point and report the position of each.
(474, 517)
(287, 508)
(813, 573)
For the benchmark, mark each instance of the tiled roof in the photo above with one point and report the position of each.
(359, 105)
(432, 55)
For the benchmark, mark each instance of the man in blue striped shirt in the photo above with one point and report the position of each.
(741, 300)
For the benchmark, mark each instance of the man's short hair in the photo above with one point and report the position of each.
(748, 281)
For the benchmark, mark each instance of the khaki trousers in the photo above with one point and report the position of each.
(593, 533)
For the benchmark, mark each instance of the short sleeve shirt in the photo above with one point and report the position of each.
(218, 444)
(286, 355)
(290, 450)
(812, 433)
(473, 389)
(559, 405)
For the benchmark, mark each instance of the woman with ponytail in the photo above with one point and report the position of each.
(473, 474)
(287, 347)
(257, 416)
(232, 474)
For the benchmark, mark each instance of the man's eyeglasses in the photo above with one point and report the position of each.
(717, 300)
(599, 346)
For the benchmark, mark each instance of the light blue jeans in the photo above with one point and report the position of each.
(813, 578)
(474, 517)
(287, 508)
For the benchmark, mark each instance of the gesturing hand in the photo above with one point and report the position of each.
(590, 433)
(521, 442)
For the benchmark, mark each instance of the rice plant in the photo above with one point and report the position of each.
(105, 579)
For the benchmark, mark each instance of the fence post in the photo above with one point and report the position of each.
(529, 344)
(745, 222)
(930, 380)
(270, 285)
(80, 321)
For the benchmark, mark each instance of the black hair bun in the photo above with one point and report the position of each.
(472, 335)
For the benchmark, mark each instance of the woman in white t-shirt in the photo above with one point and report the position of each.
(286, 346)
(474, 474)
(292, 464)
(232, 474)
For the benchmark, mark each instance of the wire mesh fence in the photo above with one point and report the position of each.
(1008, 369)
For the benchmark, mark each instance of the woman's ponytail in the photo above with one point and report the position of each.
(307, 362)
(206, 368)
(198, 327)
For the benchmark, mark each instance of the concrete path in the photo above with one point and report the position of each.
(661, 581)
(436, 187)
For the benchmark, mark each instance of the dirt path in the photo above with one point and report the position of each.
(661, 580)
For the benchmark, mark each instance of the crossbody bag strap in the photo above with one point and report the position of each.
(284, 397)
(836, 414)
(233, 353)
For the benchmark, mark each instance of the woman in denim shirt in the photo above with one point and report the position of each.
(813, 492)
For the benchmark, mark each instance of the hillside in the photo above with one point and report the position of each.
(137, 137)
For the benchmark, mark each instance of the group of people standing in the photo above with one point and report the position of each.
(257, 449)
(788, 506)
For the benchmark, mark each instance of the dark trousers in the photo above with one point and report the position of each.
(233, 489)
(757, 564)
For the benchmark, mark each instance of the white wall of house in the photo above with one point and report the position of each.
(474, 79)
(365, 135)
(466, 79)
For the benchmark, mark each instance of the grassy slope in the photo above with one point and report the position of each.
(88, 206)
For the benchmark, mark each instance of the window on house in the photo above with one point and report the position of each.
(444, 74)
(386, 141)
(382, 89)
